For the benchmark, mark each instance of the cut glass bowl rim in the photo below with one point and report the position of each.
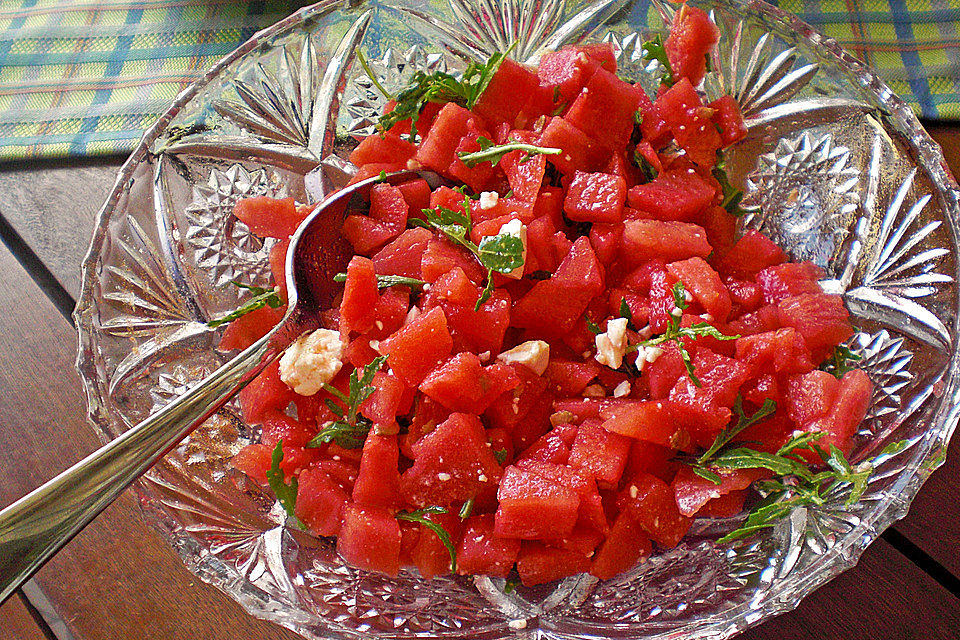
(841, 557)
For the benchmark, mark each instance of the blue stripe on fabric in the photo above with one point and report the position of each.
(919, 84)
(16, 23)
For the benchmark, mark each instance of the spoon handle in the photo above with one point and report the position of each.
(35, 527)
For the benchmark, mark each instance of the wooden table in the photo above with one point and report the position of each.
(118, 580)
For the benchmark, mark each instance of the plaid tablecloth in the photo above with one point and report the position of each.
(86, 77)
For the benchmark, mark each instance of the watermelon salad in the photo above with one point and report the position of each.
(555, 364)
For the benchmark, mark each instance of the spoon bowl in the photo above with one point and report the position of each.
(35, 527)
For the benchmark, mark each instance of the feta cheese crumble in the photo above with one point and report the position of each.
(533, 354)
(489, 199)
(612, 344)
(312, 361)
(621, 389)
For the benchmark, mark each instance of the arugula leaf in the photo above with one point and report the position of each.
(731, 195)
(654, 50)
(493, 153)
(441, 87)
(625, 311)
(386, 281)
(286, 493)
(500, 455)
(262, 297)
(676, 333)
(362, 59)
(769, 406)
(510, 585)
(647, 170)
(592, 326)
(795, 484)
(350, 431)
(420, 516)
(839, 363)
(502, 252)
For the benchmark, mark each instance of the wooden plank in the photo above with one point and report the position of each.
(117, 579)
(16, 621)
(53, 207)
(885, 596)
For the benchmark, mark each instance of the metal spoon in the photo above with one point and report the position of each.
(35, 527)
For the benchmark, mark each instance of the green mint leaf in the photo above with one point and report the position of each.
(743, 421)
(502, 253)
(500, 455)
(654, 50)
(420, 516)
(494, 153)
(265, 297)
(286, 493)
(625, 311)
(467, 509)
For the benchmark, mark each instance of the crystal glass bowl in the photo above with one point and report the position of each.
(835, 168)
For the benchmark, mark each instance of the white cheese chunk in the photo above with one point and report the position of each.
(312, 361)
(489, 199)
(612, 344)
(533, 354)
(621, 389)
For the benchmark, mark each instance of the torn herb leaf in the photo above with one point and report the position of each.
(841, 362)
(654, 50)
(420, 516)
(501, 253)
(467, 508)
(743, 421)
(350, 431)
(387, 281)
(440, 87)
(286, 493)
(493, 153)
(262, 298)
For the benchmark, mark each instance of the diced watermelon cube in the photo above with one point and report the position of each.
(462, 384)
(604, 110)
(539, 563)
(651, 502)
(595, 197)
(729, 120)
(534, 508)
(647, 239)
(387, 148)
(704, 285)
(789, 279)
(483, 552)
(452, 464)
(649, 420)
(751, 253)
(402, 256)
(693, 492)
(673, 195)
(378, 483)
(578, 150)
(429, 553)
(358, 307)
(820, 318)
(320, 502)
(438, 150)
(270, 217)
(419, 346)
(250, 327)
(369, 539)
(692, 36)
(626, 544)
(599, 453)
(782, 351)
(499, 102)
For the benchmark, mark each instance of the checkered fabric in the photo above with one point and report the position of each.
(87, 77)
(914, 45)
